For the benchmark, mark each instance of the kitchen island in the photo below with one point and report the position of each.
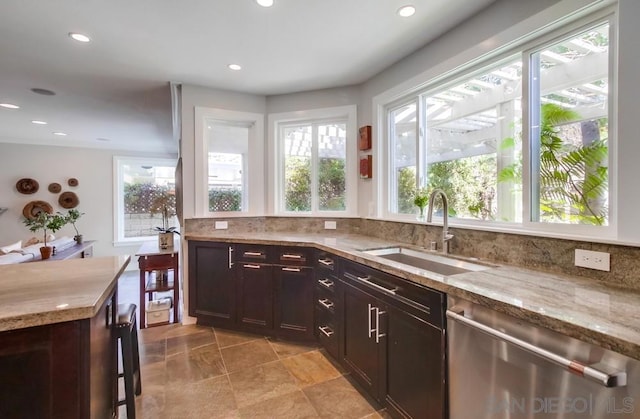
(58, 353)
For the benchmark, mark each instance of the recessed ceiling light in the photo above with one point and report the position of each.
(265, 3)
(235, 67)
(406, 11)
(9, 106)
(45, 92)
(35, 121)
(103, 139)
(79, 37)
(61, 134)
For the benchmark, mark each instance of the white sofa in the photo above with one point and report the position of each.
(24, 254)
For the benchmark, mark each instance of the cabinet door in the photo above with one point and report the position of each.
(255, 297)
(360, 350)
(294, 301)
(212, 292)
(415, 366)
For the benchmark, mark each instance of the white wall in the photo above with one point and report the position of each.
(94, 170)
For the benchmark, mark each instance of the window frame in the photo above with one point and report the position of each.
(277, 122)
(118, 195)
(387, 101)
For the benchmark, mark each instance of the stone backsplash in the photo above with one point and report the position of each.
(534, 252)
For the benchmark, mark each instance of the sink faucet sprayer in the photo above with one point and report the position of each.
(445, 218)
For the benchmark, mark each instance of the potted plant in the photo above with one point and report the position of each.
(421, 199)
(71, 218)
(165, 206)
(45, 222)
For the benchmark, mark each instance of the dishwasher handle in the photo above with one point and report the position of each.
(615, 379)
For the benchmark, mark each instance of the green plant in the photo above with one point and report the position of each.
(164, 204)
(45, 222)
(72, 217)
(421, 198)
(573, 179)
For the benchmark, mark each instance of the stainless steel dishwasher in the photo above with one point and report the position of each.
(503, 368)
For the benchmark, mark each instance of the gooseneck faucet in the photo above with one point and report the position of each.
(445, 217)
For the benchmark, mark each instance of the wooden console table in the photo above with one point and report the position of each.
(152, 259)
(77, 251)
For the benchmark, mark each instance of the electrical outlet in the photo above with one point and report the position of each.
(221, 225)
(593, 260)
(329, 225)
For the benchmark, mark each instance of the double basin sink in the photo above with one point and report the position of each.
(439, 264)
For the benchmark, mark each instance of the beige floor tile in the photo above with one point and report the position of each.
(287, 349)
(184, 343)
(247, 355)
(261, 383)
(337, 398)
(288, 406)
(310, 368)
(211, 398)
(153, 334)
(195, 365)
(152, 352)
(229, 338)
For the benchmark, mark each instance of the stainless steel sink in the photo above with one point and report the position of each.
(429, 262)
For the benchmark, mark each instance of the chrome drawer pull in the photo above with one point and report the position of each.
(326, 282)
(252, 266)
(291, 269)
(369, 310)
(367, 280)
(326, 262)
(230, 253)
(326, 330)
(253, 254)
(615, 379)
(290, 256)
(326, 303)
(378, 334)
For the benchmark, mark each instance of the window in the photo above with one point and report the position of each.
(314, 166)
(520, 140)
(144, 186)
(229, 164)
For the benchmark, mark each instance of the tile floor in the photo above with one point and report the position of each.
(201, 372)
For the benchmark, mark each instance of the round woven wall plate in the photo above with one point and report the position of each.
(68, 200)
(73, 182)
(33, 208)
(55, 188)
(27, 186)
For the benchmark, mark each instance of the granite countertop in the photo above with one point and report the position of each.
(40, 293)
(578, 307)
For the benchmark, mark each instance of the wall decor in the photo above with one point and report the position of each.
(68, 200)
(33, 208)
(366, 167)
(364, 142)
(55, 187)
(27, 186)
(73, 182)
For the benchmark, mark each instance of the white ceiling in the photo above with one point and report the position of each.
(117, 86)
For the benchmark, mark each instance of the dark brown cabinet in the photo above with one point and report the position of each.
(255, 297)
(212, 285)
(293, 301)
(328, 303)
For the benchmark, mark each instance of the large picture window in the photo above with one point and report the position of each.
(521, 140)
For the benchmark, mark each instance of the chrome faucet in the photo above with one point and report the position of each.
(445, 217)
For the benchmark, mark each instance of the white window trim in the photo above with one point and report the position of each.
(275, 173)
(255, 187)
(461, 65)
(118, 197)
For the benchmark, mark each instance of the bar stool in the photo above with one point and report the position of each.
(127, 333)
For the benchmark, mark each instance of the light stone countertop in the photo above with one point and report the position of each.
(578, 307)
(40, 293)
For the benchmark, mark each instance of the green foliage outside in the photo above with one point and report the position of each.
(573, 178)
(331, 184)
(225, 199)
(147, 198)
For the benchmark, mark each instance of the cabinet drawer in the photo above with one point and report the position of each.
(296, 256)
(148, 263)
(326, 260)
(327, 331)
(325, 302)
(326, 282)
(251, 253)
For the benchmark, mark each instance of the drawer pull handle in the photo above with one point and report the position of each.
(326, 330)
(367, 280)
(326, 262)
(230, 257)
(290, 256)
(291, 269)
(326, 303)
(326, 282)
(252, 266)
(253, 254)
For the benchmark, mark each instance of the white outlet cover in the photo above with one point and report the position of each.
(330, 225)
(221, 225)
(600, 261)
